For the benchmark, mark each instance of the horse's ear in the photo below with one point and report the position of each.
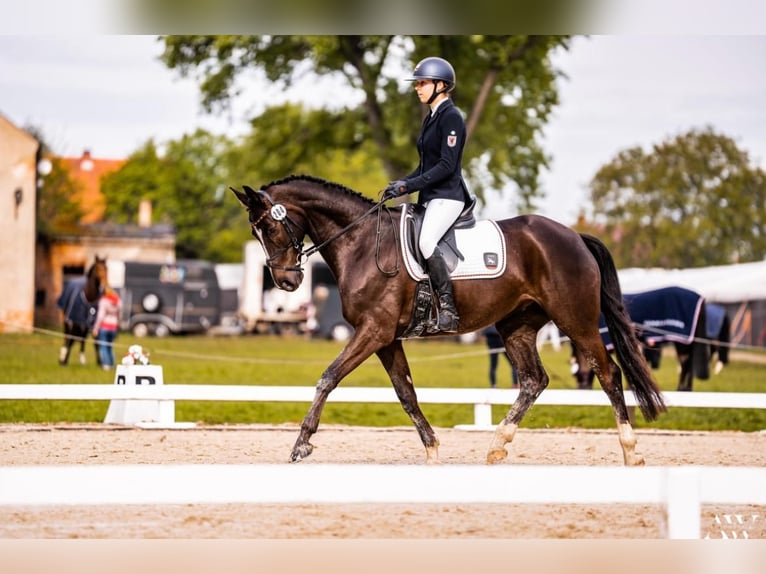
(241, 197)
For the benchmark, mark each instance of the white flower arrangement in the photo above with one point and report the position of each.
(135, 356)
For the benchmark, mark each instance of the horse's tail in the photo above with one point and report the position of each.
(626, 344)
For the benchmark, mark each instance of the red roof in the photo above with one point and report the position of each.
(88, 171)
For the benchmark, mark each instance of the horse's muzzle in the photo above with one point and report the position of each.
(291, 281)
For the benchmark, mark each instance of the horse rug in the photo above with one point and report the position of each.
(670, 314)
(478, 251)
(76, 308)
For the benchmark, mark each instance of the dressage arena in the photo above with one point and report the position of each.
(98, 444)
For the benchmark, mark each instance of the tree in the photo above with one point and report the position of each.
(57, 211)
(693, 200)
(186, 185)
(506, 87)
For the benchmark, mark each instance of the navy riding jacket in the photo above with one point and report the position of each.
(440, 147)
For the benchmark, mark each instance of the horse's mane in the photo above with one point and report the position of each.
(324, 183)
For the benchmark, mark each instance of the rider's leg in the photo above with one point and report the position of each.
(439, 217)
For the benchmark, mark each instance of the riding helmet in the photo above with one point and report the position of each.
(434, 68)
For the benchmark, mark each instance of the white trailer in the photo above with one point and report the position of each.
(262, 305)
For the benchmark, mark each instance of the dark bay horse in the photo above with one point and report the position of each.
(78, 303)
(542, 281)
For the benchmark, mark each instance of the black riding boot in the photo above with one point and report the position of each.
(448, 320)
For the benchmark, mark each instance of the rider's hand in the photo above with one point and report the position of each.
(395, 189)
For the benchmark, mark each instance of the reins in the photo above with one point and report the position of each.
(279, 213)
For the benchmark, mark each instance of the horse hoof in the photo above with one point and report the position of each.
(496, 455)
(301, 451)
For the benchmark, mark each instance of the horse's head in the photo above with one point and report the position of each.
(96, 278)
(279, 235)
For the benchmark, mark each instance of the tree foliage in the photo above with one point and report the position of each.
(693, 200)
(57, 210)
(506, 87)
(186, 187)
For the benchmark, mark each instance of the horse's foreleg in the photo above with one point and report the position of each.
(350, 358)
(64, 353)
(303, 448)
(395, 363)
(66, 347)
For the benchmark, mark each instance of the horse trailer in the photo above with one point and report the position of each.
(164, 298)
(313, 308)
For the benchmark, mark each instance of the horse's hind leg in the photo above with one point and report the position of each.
(395, 363)
(610, 377)
(532, 381)
(686, 375)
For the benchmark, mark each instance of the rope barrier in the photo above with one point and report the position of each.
(282, 361)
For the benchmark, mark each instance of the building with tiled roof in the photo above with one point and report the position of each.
(87, 171)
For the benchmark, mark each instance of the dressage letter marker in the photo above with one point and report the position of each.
(135, 411)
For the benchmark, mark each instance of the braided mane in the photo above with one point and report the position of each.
(320, 181)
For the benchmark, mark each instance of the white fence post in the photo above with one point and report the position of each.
(482, 415)
(682, 503)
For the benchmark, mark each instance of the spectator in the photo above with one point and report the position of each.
(495, 342)
(106, 325)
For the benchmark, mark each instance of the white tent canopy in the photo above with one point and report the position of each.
(718, 284)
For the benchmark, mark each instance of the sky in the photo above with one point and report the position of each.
(110, 94)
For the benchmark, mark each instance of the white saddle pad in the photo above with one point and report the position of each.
(482, 245)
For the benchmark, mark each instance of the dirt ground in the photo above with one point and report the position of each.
(97, 444)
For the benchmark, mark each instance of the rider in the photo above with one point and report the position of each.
(438, 177)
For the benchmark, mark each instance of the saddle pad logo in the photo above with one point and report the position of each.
(490, 260)
(452, 139)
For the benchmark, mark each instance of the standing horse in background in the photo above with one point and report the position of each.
(670, 315)
(79, 302)
(538, 265)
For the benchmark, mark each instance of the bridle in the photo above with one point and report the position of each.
(278, 213)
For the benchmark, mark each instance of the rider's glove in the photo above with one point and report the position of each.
(395, 189)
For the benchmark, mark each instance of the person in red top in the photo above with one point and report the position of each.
(106, 325)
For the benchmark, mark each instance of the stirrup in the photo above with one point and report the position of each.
(445, 322)
(448, 322)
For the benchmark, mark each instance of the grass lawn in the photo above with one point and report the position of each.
(272, 360)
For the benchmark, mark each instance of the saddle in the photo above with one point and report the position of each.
(472, 250)
(413, 216)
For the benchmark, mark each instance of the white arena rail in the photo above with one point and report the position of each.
(680, 490)
(482, 399)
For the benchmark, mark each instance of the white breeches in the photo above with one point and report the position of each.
(440, 215)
